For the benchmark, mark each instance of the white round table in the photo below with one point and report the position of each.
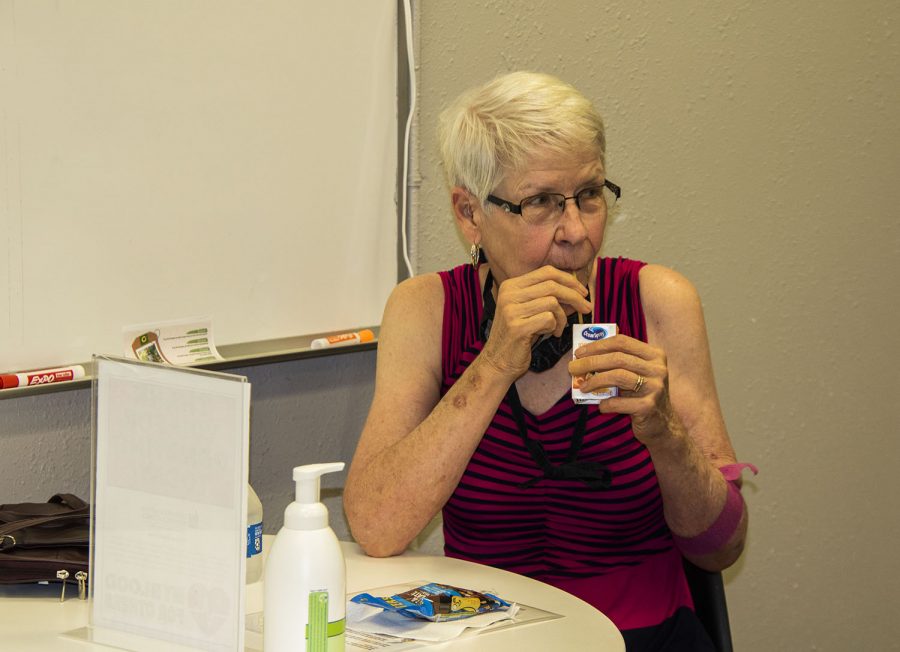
(32, 618)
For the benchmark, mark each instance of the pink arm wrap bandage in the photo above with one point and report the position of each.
(718, 534)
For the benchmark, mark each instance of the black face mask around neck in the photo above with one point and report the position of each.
(544, 354)
(547, 351)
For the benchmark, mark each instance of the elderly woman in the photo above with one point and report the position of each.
(473, 414)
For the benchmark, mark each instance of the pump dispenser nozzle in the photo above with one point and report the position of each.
(307, 512)
(307, 479)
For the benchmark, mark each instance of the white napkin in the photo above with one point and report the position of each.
(375, 620)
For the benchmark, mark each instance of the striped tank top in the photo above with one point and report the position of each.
(610, 547)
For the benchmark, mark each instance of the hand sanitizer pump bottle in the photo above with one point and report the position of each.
(304, 588)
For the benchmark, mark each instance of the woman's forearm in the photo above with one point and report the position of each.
(391, 496)
(695, 494)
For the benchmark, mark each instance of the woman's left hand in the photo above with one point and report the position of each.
(640, 372)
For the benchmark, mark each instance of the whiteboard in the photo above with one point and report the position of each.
(176, 158)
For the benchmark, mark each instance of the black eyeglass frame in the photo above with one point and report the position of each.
(517, 208)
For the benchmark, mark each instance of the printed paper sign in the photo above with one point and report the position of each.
(180, 342)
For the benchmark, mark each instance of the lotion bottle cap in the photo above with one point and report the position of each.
(307, 512)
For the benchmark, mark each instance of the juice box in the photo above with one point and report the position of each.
(585, 334)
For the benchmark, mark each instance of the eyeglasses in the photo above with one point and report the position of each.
(546, 208)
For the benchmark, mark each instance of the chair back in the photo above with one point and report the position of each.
(708, 592)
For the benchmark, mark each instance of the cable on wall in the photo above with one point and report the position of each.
(404, 208)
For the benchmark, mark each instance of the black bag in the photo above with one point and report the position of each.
(45, 542)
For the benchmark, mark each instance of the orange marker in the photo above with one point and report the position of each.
(343, 339)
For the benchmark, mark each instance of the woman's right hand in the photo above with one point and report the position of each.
(529, 306)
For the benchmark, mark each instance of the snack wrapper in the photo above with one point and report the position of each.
(436, 602)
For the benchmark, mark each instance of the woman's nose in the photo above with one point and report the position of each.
(571, 226)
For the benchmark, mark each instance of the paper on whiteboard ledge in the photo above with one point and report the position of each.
(179, 342)
(364, 618)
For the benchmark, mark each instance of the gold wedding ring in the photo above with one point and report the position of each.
(638, 385)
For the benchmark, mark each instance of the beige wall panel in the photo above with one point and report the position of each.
(757, 146)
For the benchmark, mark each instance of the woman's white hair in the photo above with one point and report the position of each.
(495, 128)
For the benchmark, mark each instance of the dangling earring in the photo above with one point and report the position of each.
(475, 254)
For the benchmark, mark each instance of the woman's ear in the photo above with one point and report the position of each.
(465, 211)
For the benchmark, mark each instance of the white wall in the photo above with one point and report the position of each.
(757, 146)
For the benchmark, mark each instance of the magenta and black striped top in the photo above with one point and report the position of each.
(611, 547)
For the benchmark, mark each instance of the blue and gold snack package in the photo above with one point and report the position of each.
(436, 602)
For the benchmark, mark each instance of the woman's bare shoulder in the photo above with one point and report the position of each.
(661, 280)
(412, 326)
(667, 295)
(419, 299)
